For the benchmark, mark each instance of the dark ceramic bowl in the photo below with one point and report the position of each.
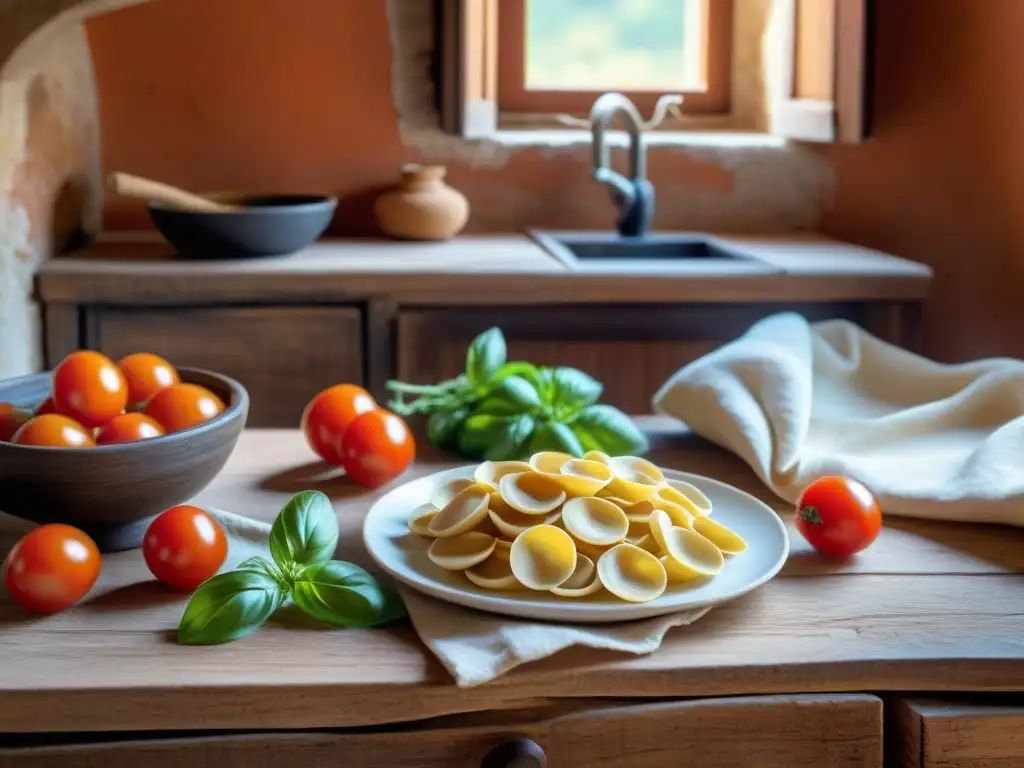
(112, 492)
(272, 225)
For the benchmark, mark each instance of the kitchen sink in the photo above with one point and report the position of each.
(663, 251)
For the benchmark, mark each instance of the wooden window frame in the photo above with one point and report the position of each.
(824, 94)
(713, 97)
(817, 87)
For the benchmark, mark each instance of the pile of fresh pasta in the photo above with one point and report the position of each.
(574, 527)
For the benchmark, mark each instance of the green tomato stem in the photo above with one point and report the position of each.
(415, 389)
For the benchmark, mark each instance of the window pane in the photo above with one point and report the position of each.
(629, 45)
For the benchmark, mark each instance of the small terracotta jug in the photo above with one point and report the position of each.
(422, 206)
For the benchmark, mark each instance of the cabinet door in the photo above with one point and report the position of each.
(282, 355)
(767, 732)
(928, 733)
(631, 350)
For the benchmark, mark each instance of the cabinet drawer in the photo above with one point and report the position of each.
(282, 355)
(928, 733)
(768, 732)
(631, 350)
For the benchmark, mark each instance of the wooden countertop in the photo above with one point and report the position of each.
(478, 270)
(929, 607)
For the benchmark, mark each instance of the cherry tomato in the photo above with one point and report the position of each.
(184, 547)
(329, 414)
(128, 428)
(89, 388)
(183, 406)
(11, 420)
(51, 568)
(146, 375)
(54, 431)
(376, 447)
(838, 516)
(45, 407)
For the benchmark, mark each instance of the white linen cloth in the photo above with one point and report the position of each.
(797, 401)
(477, 647)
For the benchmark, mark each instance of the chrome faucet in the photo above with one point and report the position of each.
(633, 196)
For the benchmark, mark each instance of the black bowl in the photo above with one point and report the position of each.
(112, 492)
(267, 226)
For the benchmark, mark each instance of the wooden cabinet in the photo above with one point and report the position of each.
(631, 350)
(283, 355)
(841, 731)
(930, 733)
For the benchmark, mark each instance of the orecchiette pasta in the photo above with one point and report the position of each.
(575, 527)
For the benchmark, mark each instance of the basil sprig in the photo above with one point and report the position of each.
(302, 540)
(501, 410)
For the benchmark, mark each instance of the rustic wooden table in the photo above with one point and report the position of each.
(928, 608)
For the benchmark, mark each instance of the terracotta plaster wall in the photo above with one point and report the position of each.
(289, 95)
(300, 94)
(943, 181)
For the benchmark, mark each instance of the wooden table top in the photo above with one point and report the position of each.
(929, 607)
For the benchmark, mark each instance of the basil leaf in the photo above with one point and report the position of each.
(496, 406)
(554, 436)
(606, 428)
(510, 445)
(509, 397)
(305, 532)
(528, 371)
(230, 606)
(443, 428)
(486, 355)
(573, 389)
(344, 595)
(545, 384)
(480, 431)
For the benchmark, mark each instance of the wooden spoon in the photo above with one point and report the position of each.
(128, 185)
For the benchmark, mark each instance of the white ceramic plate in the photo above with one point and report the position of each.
(403, 554)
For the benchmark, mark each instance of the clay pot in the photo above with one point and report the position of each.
(422, 206)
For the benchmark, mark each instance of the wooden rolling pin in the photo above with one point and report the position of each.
(127, 185)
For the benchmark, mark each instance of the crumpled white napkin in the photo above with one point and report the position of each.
(798, 401)
(477, 647)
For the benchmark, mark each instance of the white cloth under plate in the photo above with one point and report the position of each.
(797, 401)
(477, 647)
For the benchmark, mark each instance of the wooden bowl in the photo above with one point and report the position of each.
(112, 492)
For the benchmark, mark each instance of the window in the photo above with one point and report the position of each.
(794, 68)
(560, 55)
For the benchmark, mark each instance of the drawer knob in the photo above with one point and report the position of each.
(518, 753)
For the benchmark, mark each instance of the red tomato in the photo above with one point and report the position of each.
(11, 420)
(89, 388)
(128, 428)
(146, 375)
(183, 406)
(329, 414)
(838, 516)
(184, 547)
(377, 447)
(45, 407)
(51, 568)
(54, 431)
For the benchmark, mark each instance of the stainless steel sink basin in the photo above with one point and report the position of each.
(663, 251)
